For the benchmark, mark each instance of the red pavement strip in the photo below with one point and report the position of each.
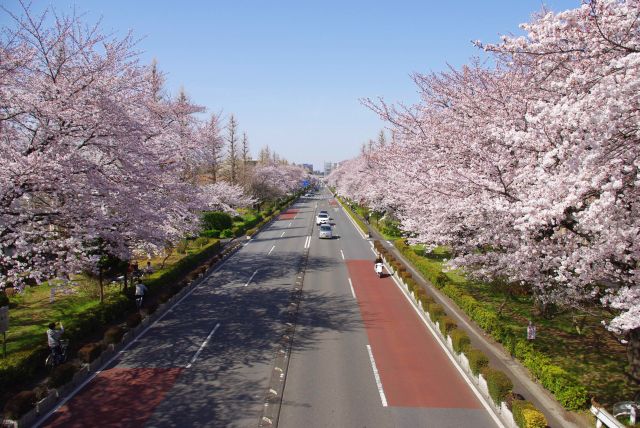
(414, 370)
(117, 398)
(288, 214)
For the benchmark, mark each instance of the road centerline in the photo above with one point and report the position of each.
(203, 345)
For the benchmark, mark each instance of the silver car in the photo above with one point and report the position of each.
(325, 231)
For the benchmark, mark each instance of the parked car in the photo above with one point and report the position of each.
(325, 231)
(322, 218)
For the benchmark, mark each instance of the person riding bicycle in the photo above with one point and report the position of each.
(53, 339)
(140, 290)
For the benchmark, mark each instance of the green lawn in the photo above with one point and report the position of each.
(31, 311)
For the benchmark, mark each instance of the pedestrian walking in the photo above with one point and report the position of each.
(140, 290)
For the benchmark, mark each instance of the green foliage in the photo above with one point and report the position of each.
(19, 404)
(113, 335)
(526, 415)
(251, 232)
(477, 360)
(441, 280)
(90, 352)
(201, 241)
(4, 300)
(181, 247)
(227, 233)
(133, 320)
(498, 383)
(62, 374)
(446, 325)
(435, 311)
(217, 220)
(211, 233)
(238, 231)
(460, 340)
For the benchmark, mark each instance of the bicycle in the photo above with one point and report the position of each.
(55, 359)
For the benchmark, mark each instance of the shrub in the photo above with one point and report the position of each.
(19, 404)
(238, 219)
(90, 352)
(113, 335)
(477, 360)
(251, 232)
(201, 241)
(216, 220)
(227, 233)
(62, 375)
(526, 415)
(435, 311)
(4, 300)
(446, 325)
(441, 280)
(460, 340)
(133, 320)
(238, 230)
(181, 247)
(498, 383)
(211, 233)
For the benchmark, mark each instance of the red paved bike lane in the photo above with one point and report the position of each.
(289, 214)
(414, 369)
(118, 397)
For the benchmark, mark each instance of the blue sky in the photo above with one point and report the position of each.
(293, 72)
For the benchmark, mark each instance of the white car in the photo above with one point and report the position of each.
(325, 231)
(322, 218)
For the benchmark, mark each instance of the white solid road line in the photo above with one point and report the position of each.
(376, 375)
(282, 234)
(307, 242)
(342, 254)
(353, 292)
(374, 251)
(272, 248)
(203, 345)
(254, 274)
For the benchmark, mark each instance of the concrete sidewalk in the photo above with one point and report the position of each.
(500, 359)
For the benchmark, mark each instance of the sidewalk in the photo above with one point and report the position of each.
(556, 415)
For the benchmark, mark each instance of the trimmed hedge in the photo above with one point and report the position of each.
(435, 311)
(90, 352)
(211, 233)
(526, 415)
(216, 220)
(19, 404)
(477, 360)
(62, 375)
(498, 383)
(113, 335)
(447, 324)
(460, 340)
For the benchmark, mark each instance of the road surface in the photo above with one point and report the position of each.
(361, 356)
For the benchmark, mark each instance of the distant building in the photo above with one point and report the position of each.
(328, 167)
(308, 167)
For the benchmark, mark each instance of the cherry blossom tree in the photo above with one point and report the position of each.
(528, 169)
(95, 157)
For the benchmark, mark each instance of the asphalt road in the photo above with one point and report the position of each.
(332, 381)
(208, 362)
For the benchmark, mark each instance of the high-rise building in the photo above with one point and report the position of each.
(328, 167)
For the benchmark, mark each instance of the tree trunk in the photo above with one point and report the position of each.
(633, 354)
